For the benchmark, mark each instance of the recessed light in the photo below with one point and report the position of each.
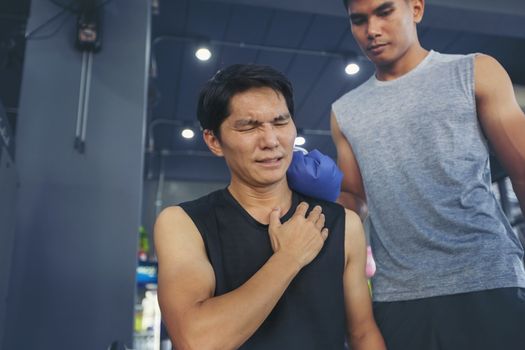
(203, 54)
(352, 69)
(299, 141)
(188, 133)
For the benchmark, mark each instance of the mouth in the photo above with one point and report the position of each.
(376, 48)
(269, 160)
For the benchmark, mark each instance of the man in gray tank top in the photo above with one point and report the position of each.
(412, 142)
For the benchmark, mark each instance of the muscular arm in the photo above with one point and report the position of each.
(362, 329)
(195, 318)
(502, 120)
(352, 192)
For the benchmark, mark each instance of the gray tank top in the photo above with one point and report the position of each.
(435, 225)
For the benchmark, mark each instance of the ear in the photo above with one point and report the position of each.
(213, 142)
(418, 8)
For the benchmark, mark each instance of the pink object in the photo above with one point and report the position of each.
(370, 263)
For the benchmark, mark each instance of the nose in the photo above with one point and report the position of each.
(373, 28)
(269, 137)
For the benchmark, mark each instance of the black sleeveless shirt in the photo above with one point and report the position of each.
(311, 313)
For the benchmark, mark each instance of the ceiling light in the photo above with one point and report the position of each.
(187, 133)
(203, 54)
(299, 141)
(351, 69)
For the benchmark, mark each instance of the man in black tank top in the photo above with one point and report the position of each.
(256, 265)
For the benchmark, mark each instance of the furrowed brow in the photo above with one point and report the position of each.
(241, 123)
(245, 122)
(282, 117)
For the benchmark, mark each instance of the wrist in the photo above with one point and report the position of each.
(287, 262)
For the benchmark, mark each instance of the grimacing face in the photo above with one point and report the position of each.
(257, 138)
(385, 29)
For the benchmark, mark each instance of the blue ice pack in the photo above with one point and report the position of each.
(315, 174)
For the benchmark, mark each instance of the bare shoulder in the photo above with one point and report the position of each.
(353, 227)
(175, 231)
(182, 254)
(168, 219)
(485, 61)
(352, 219)
(337, 135)
(166, 223)
(489, 75)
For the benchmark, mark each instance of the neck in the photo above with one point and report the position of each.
(410, 60)
(260, 201)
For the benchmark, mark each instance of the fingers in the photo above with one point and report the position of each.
(320, 222)
(274, 218)
(301, 209)
(324, 234)
(302, 236)
(315, 214)
(318, 218)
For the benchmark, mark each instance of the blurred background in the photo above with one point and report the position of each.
(98, 133)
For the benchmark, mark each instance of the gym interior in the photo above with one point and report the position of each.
(98, 133)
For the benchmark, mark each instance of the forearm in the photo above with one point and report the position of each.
(369, 340)
(354, 203)
(227, 321)
(362, 329)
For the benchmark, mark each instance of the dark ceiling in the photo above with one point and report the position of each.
(307, 40)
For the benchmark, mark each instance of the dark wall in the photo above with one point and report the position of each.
(8, 192)
(77, 218)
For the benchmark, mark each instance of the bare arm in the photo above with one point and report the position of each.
(502, 120)
(362, 328)
(352, 191)
(195, 318)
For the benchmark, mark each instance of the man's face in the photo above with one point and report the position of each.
(257, 138)
(385, 29)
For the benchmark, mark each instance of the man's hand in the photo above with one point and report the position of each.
(301, 237)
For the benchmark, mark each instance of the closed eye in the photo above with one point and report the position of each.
(281, 120)
(247, 127)
(250, 124)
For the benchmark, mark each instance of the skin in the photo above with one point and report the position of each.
(256, 142)
(386, 33)
(502, 120)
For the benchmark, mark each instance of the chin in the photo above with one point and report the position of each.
(380, 60)
(272, 180)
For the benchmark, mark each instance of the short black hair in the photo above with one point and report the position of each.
(215, 97)
(347, 2)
